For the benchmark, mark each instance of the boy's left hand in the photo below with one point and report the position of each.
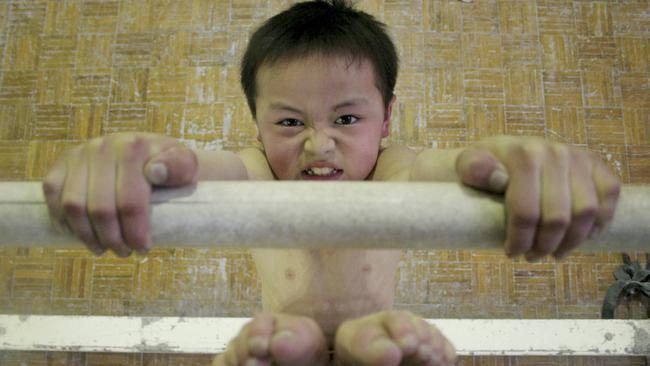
(556, 196)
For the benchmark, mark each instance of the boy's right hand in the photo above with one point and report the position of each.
(100, 190)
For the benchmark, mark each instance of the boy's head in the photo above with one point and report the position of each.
(324, 29)
(319, 79)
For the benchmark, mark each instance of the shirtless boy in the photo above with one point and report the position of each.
(319, 80)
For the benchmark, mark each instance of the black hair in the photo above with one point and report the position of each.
(322, 28)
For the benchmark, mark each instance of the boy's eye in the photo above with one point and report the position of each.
(346, 120)
(290, 122)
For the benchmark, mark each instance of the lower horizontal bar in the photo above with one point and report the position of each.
(320, 215)
(493, 337)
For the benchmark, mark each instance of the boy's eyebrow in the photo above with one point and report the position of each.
(351, 102)
(347, 103)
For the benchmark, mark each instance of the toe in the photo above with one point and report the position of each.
(298, 341)
(365, 341)
(434, 347)
(258, 333)
(401, 327)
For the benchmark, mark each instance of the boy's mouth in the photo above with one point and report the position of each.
(321, 173)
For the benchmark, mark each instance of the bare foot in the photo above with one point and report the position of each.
(276, 338)
(392, 338)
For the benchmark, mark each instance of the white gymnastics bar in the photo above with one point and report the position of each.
(493, 337)
(320, 215)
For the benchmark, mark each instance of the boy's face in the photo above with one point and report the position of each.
(323, 113)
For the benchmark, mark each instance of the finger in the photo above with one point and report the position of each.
(52, 191)
(74, 200)
(133, 193)
(480, 169)
(523, 198)
(608, 188)
(101, 196)
(556, 203)
(172, 167)
(584, 204)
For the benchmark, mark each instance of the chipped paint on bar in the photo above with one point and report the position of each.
(494, 337)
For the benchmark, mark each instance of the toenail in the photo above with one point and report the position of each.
(409, 342)
(382, 345)
(435, 358)
(282, 335)
(425, 351)
(251, 362)
(258, 345)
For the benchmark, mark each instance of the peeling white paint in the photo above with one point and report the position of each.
(502, 337)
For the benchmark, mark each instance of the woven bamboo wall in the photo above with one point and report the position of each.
(569, 70)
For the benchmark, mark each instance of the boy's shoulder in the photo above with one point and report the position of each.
(256, 164)
(394, 164)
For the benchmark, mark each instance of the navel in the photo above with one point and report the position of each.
(290, 274)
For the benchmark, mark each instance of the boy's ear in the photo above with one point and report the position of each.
(259, 137)
(385, 128)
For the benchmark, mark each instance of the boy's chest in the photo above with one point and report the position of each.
(329, 286)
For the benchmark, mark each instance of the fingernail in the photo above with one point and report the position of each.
(252, 362)
(258, 345)
(425, 351)
(409, 341)
(156, 173)
(533, 258)
(123, 253)
(498, 180)
(595, 232)
(144, 249)
(381, 345)
(97, 251)
(560, 256)
(509, 250)
(435, 358)
(284, 334)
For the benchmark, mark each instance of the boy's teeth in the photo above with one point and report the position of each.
(320, 171)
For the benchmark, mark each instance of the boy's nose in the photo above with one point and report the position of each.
(319, 143)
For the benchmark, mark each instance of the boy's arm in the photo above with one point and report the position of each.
(400, 163)
(219, 165)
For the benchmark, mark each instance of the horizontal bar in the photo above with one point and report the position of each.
(502, 337)
(320, 215)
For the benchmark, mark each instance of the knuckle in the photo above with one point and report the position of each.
(73, 208)
(525, 218)
(613, 191)
(102, 214)
(586, 211)
(530, 155)
(51, 187)
(557, 221)
(559, 151)
(130, 209)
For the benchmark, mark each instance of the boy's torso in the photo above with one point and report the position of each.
(329, 286)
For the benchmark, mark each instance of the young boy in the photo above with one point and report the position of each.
(319, 79)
